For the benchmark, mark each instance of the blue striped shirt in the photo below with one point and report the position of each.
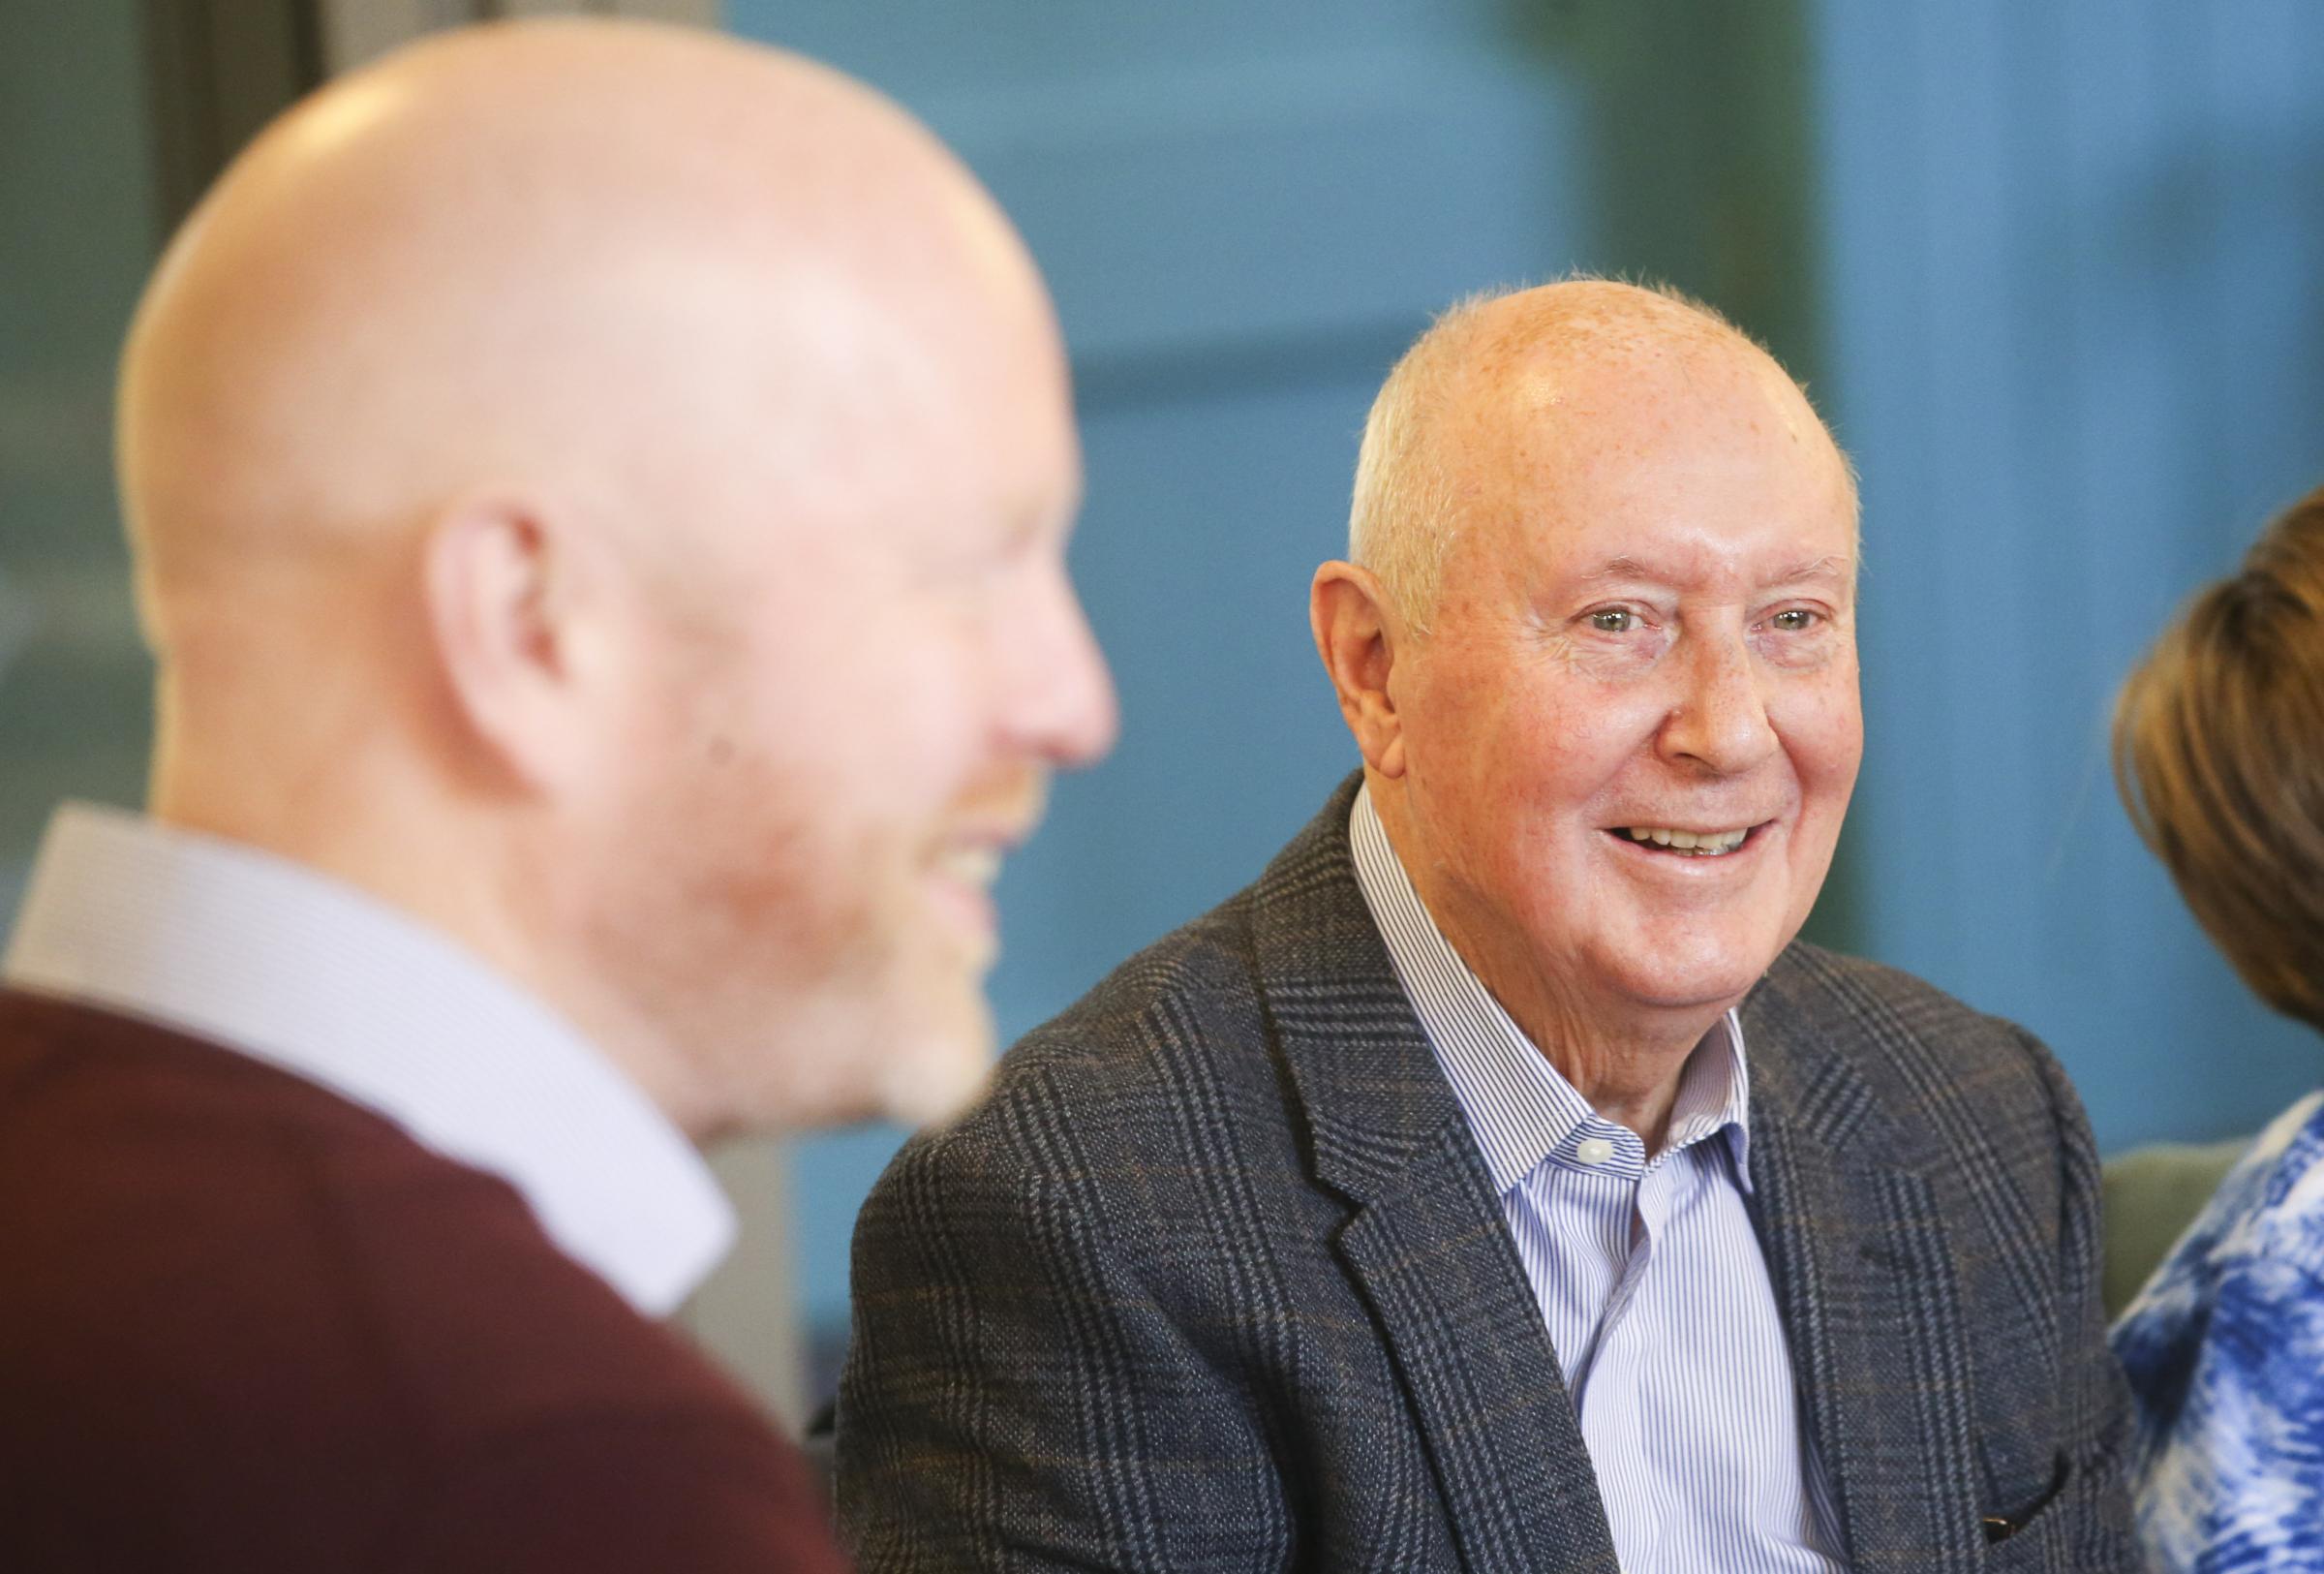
(1648, 1272)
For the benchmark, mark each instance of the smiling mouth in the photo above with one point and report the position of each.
(1686, 844)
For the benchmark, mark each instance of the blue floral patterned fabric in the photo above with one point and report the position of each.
(2226, 1352)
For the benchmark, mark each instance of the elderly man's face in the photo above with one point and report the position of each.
(828, 777)
(1634, 730)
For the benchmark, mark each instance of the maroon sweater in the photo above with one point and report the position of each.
(247, 1325)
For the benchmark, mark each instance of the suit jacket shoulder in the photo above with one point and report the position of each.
(1887, 1014)
(1091, 1317)
(1872, 1062)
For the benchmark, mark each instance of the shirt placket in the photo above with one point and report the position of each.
(1621, 1360)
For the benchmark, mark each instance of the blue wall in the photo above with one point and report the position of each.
(2077, 346)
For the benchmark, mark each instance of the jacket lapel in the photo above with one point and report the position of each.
(1863, 1272)
(1425, 1240)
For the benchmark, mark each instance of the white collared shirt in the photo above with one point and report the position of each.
(312, 977)
(1647, 1269)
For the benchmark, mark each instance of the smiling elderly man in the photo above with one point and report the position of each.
(1496, 1185)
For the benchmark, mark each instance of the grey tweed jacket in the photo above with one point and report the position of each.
(1215, 1277)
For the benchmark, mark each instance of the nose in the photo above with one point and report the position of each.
(1062, 708)
(1719, 720)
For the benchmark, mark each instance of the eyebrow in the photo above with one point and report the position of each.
(1831, 567)
(1620, 567)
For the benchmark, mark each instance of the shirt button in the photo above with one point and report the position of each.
(1593, 1149)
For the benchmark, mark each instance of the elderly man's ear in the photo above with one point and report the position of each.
(514, 606)
(1356, 634)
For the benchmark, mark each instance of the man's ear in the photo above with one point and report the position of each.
(1355, 634)
(505, 614)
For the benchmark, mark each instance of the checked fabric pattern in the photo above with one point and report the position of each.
(1215, 1277)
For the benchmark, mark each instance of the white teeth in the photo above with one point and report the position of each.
(1698, 844)
(971, 865)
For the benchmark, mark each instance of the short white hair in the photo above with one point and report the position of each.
(1403, 517)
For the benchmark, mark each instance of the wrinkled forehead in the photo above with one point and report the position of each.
(1574, 401)
(1698, 447)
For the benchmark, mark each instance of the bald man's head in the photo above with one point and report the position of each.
(1474, 365)
(496, 256)
(627, 470)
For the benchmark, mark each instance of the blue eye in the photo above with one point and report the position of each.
(1614, 620)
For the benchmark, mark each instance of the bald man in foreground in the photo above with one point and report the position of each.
(1497, 1185)
(598, 496)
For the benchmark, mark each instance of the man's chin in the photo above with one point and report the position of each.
(931, 1086)
(934, 1071)
(844, 1057)
(1705, 984)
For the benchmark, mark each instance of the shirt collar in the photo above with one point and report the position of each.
(1519, 1107)
(310, 975)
